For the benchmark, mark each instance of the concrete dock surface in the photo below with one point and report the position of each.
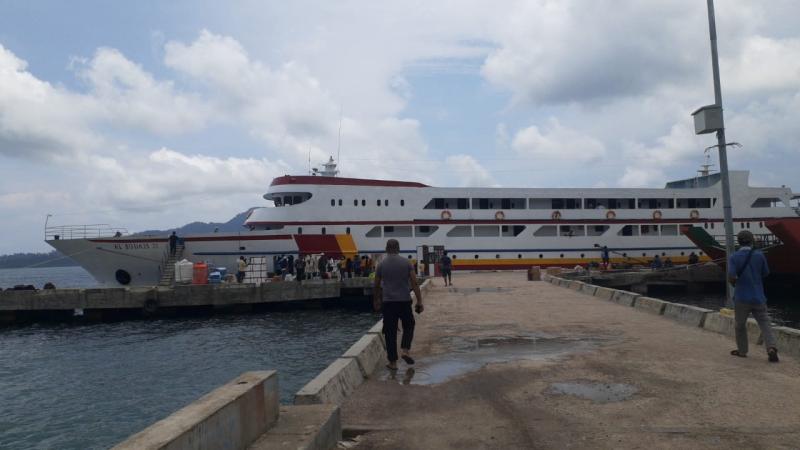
(503, 362)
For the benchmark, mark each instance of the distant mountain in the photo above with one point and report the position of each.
(52, 259)
(56, 259)
(235, 224)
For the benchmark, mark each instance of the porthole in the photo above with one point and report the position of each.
(663, 254)
(701, 253)
(333, 202)
(385, 202)
(379, 202)
(340, 202)
(760, 224)
(562, 255)
(476, 256)
(682, 253)
(705, 225)
(123, 277)
(299, 230)
(363, 202)
(712, 225)
(748, 225)
(582, 255)
(323, 230)
(541, 256)
(455, 256)
(625, 255)
(402, 202)
(355, 202)
(644, 254)
(496, 256)
(519, 256)
(348, 230)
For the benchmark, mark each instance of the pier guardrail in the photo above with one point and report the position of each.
(90, 231)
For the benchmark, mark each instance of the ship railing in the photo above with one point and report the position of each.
(90, 231)
(764, 240)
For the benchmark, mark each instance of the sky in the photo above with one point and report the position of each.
(153, 114)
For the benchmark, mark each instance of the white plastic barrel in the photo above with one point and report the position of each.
(183, 271)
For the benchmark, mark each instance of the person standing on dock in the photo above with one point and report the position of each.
(693, 258)
(173, 243)
(240, 269)
(747, 268)
(605, 257)
(299, 268)
(446, 266)
(394, 279)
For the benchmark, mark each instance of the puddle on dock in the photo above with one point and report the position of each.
(471, 354)
(596, 392)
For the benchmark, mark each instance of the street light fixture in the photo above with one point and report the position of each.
(709, 119)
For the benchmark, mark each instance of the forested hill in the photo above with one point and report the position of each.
(52, 259)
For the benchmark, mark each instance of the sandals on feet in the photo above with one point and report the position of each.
(772, 354)
(409, 360)
(736, 353)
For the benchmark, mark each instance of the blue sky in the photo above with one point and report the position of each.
(154, 114)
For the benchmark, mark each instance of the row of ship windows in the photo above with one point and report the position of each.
(515, 230)
(583, 255)
(334, 202)
(570, 203)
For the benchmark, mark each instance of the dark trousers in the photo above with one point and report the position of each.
(392, 312)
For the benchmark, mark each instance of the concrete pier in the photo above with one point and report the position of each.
(114, 303)
(503, 362)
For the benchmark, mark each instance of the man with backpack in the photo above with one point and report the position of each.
(747, 268)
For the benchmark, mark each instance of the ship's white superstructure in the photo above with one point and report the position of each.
(481, 228)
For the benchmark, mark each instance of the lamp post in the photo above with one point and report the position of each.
(709, 119)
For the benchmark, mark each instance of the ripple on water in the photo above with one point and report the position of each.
(90, 386)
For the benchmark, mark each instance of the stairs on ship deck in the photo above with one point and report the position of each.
(168, 269)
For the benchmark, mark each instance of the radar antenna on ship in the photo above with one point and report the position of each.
(329, 169)
(705, 169)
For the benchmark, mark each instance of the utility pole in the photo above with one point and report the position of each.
(723, 151)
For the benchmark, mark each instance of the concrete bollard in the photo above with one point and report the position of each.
(724, 324)
(534, 274)
(788, 340)
(604, 293)
(369, 351)
(232, 416)
(690, 315)
(624, 298)
(588, 289)
(332, 385)
(650, 305)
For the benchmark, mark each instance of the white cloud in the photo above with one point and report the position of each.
(558, 142)
(38, 120)
(763, 66)
(467, 171)
(131, 97)
(166, 178)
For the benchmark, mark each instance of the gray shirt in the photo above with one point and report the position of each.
(394, 271)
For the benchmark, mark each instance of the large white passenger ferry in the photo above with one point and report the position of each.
(480, 228)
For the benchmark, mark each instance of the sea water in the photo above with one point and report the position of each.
(90, 386)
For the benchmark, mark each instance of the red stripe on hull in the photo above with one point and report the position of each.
(197, 239)
(336, 181)
(506, 222)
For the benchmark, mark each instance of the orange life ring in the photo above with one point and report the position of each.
(556, 215)
(657, 214)
(694, 214)
(611, 215)
(446, 215)
(499, 215)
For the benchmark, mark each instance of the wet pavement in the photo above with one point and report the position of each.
(471, 354)
(520, 365)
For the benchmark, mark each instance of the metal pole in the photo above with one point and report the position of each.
(723, 153)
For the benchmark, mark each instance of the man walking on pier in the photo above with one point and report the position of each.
(746, 268)
(394, 279)
(446, 266)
